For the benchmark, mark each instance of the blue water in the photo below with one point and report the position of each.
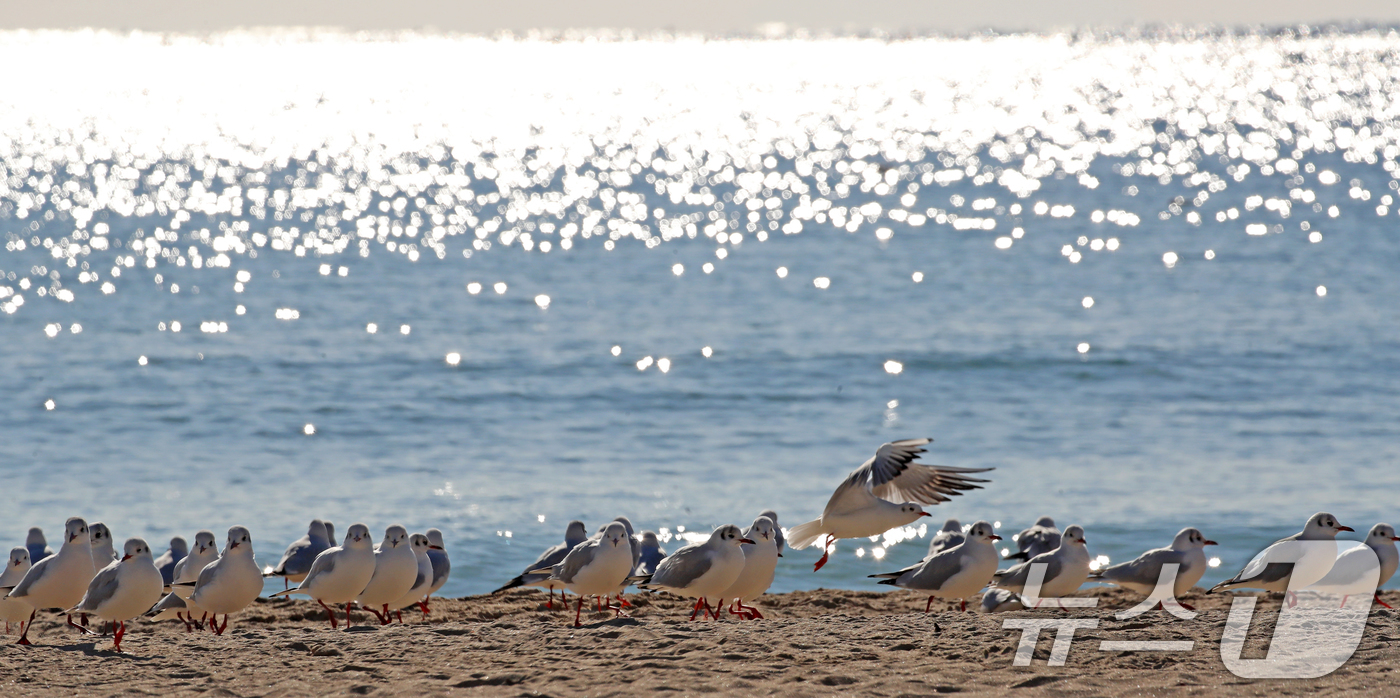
(1238, 393)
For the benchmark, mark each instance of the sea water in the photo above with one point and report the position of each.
(494, 284)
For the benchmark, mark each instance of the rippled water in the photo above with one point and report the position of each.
(492, 285)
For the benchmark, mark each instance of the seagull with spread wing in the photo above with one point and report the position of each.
(885, 492)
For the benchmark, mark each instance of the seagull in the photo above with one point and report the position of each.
(1000, 600)
(1314, 563)
(1040, 538)
(595, 566)
(102, 551)
(777, 530)
(123, 589)
(1352, 566)
(883, 493)
(636, 544)
(652, 553)
(176, 603)
(418, 543)
(228, 584)
(760, 562)
(1187, 551)
(1067, 568)
(395, 568)
(339, 574)
(299, 556)
(38, 547)
(701, 570)
(14, 610)
(58, 581)
(442, 566)
(575, 534)
(168, 559)
(955, 573)
(950, 536)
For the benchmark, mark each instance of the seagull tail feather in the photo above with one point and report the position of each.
(519, 581)
(803, 535)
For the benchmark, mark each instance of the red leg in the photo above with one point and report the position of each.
(200, 623)
(286, 584)
(224, 627)
(82, 618)
(117, 636)
(1185, 605)
(826, 553)
(928, 604)
(423, 606)
(1377, 597)
(399, 615)
(330, 613)
(695, 609)
(24, 631)
(578, 611)
(80, 628)
(964, 605)
(550, 603)
(347, 615)
(385, 619)
(752, 612)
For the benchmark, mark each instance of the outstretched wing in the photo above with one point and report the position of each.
(893, 475)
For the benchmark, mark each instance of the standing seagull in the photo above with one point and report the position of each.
(176, 604)
(228, 584)
(124, 589)
(395, 568)
(652, 553)
(777, 529)
(1263, 572)
(442, 565)
(37, 545)
(635, 544)
(14, 610)
(701, 570)
(296, 561)
(955, 573)
(760, 562)
(594, 567)
(1187, 551)
(1353, 565)
(948, 537)
(1067, 568)
(1040, 538)
(575, 534)
(418, 543)
(339, 574)
(102, 551)
(883, 493)
(168, 559)
(58, 581)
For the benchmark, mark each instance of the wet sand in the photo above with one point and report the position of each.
(821, 642)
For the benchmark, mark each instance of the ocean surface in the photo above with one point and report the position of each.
(494, 284)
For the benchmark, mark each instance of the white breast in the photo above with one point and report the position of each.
(138, 588)
(610, 565)
(760, 563)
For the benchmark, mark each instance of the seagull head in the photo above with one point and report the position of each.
(729, 533)
(75, 529)
(419, 542)
(1323, 525)
(204, 541)
(19, 556)
(135, 547)
(435, 538)
(395, 535)
(1190, 539)
(982, 531)
(1381, 534)
(358, 537)
(179, 546)
(35, 537)
(616, 534)
(761, 529)
(99, 531)
(1074, 535)
(239, 539)
(913, 509)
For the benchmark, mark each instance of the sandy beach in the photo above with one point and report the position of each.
(811, 643)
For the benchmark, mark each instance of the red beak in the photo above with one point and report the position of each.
(746, 540)
(1395, 538)
(231, 546)
(1210, 542)
(435, 547)
(1346, 528)
(996, 537)
(924, 513)
(125, 558)
(72, 537)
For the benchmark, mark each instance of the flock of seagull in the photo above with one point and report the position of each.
(86, 577)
